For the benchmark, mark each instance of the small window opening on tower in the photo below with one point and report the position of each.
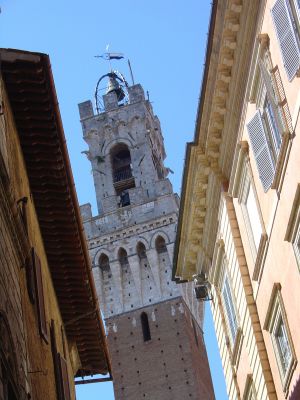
(124, 199)
(123, 259)
(122, 172)
(104, 263)
(145, 327)
(160, 245)
(141, 251)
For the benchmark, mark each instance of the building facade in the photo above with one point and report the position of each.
(239, 217)
(155, 343)
(50, 325)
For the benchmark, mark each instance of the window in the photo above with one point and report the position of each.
(293, 229)
(30, 276)
(265, 128)
(141, 251)
(229, 306)
(276, 323)
(285, 14)
(40, 297)
(122, 172)
(249, 393)
(242, 187)
(122, 256)
(270, 127)
(261, 149)
(296, 246)
(160, 245)
(22, 209)
(253, 223)
(145, 327)
(273, 128)
(221, 279)
(282, 343)
(60, 369)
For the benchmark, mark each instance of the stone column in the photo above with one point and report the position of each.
(135, 267)
(115, 268)
(170, 248)
(154, 265)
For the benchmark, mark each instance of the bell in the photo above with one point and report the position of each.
(113, 86)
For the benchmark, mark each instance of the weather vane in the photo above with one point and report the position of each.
(110, 56)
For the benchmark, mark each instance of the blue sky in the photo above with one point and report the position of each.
(165, 42)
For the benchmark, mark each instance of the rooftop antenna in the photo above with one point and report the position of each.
(129, 65)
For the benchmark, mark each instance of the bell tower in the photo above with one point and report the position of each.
(155, 341)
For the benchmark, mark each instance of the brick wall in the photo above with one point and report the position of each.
(172, 365)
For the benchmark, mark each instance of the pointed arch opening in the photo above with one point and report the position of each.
(122, 172)
(149, 287)
(104, 263)
(145, 327)
(141, 250)
(108, 303)
(130, 295)
(160, 245)
(165, 267)
(122, 257)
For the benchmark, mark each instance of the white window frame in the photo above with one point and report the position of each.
(293, 229)
(218, 274)
(272, 119)
(267, 118)
(276, 317)
(296, 246)
(229, 306)
(239, 187)
(249, 392)
(254, 240)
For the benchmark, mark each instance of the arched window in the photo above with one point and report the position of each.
(122, 256)
(122, 172)
(104, 263)
(107, 284)
(141, 250)
(160, 245)
(145, 327)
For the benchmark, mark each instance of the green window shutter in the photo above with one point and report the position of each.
(261, 150)
(288, 41)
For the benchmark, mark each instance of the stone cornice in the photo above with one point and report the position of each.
(132, 230)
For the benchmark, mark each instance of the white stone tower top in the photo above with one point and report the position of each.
(126, 150)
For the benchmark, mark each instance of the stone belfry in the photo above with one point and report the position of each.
(156, 345)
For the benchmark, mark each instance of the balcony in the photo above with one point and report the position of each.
(122, 175)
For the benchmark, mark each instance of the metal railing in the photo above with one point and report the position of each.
(122, 175)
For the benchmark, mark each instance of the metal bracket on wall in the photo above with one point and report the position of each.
(93, 380)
